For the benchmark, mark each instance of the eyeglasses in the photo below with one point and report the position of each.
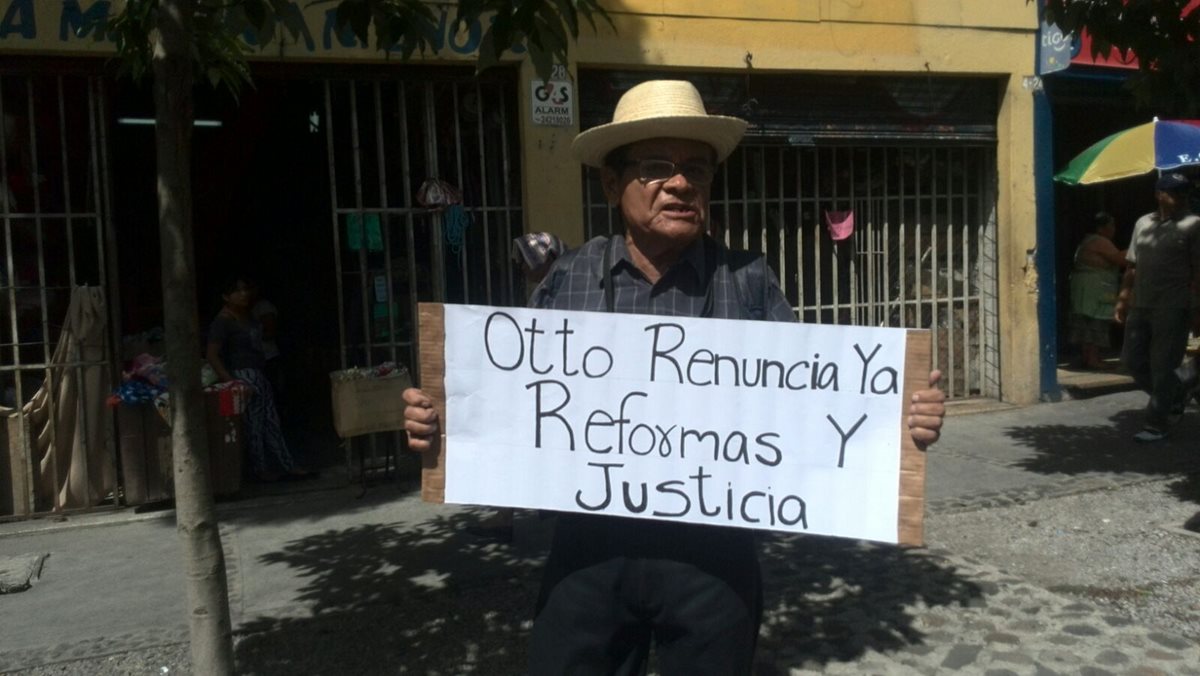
(658, 171)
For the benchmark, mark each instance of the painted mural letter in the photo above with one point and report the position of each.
(19, 20)
(77, 23)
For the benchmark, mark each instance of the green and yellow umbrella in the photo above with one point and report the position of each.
(1161, 144)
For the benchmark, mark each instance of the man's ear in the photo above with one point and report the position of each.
(611, 182)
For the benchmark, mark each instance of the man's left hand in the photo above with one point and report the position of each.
(926, 413)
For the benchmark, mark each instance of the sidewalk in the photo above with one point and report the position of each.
(1053, 548)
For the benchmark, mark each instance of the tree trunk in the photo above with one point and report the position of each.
(208, 598)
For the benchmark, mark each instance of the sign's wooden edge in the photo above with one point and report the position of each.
(432, 327)
(917, 363)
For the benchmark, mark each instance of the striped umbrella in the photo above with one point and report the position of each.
(1161, 145)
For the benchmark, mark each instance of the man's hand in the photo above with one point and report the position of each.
(926, 412)
(420, 420)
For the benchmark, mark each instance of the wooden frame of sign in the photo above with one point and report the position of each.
(917, 362)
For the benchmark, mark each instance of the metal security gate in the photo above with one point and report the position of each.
(451, 143)
(56, 441)
(922, 253)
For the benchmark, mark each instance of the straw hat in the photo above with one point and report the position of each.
(659, 109)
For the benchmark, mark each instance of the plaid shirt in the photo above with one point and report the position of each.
(743, 287)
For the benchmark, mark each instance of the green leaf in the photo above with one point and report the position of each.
(488, 56)
(256, 13)
(566, 10)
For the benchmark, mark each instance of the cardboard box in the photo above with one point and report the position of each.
(145, 447)
(147, 463)
(367, 405)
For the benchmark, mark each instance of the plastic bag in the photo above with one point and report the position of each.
(437, 194)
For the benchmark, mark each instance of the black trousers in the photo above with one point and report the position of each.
(613, 587)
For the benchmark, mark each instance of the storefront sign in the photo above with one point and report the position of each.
(1055, 52)
(553, 100)
(762, 425)
(307, 30)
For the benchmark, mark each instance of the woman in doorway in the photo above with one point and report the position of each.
(235, 351)
(1094, 280)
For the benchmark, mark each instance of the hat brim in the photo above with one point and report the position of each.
(722, 133)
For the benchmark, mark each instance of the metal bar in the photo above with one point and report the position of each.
(458, 168)
(337, 239)
(363, 263)
(902, 242)
(725, 234)
(819, 287)
(951, 333)
(933, 259)
(381, 165)
(762, 200)
(409, 234)
(746, 199)
(966, 276)
(875, 302)
(834, 263)
(780, 227)
(508, 213)
(22, 432)
(66, 180)
(918, 249)
(55, 214)
(483, 191)
(109, 269)
(429, 132)
(887, 239)
(42, 366)
(52, 400)
(852, 260)
(800, 267)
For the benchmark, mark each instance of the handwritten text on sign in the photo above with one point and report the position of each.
(787, 427)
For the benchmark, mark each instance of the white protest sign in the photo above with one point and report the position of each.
(788, 427)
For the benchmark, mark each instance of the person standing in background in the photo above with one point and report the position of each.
(1094, 286)
(1158, 299)
(235, 352)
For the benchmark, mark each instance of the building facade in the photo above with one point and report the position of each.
(887, 176)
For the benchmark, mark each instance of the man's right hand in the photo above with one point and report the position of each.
(420, 420)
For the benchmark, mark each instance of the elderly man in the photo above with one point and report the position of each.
(1158, 298)
(613, 585)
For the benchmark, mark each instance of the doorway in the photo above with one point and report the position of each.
(261, 205)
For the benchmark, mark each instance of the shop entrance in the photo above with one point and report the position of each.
(260, 182)
(1086, 109)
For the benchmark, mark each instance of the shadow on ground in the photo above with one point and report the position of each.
(832, 599)
(432, 600)
(1187, 489)
(1082, 449)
